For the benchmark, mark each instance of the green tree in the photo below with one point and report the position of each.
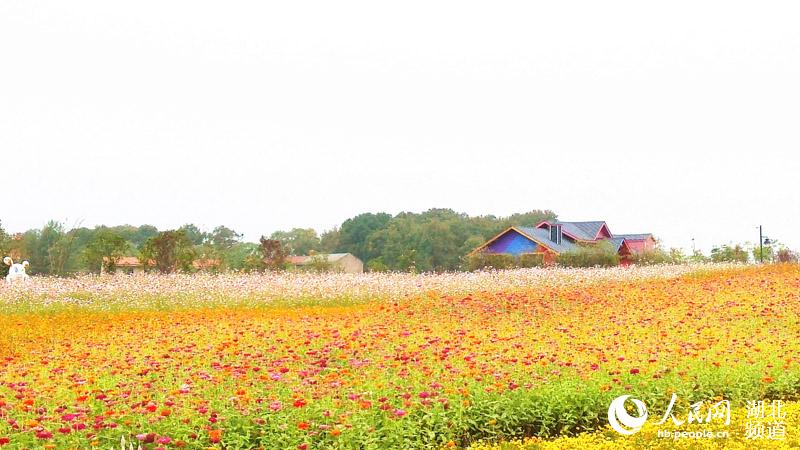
(244, 256)
(5, 249)
(193, 233)
(141, 234)
(769, 251)
(354, 234)
(729, 253)
(223, 238)
(330, 241)
(171, 250)
(36, 244)
(298, 241)
(61, 251)
(600, 254)
(104, 249)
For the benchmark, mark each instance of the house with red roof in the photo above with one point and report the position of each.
(553, 237)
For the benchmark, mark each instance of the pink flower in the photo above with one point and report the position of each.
(399, 412)
(275, 406)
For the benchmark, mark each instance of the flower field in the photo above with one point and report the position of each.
(387, 360)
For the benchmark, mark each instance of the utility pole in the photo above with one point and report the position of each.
(760, 245)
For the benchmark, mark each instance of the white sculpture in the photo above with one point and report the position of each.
(17, 271)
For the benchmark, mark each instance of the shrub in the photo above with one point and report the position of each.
(601, 254)
(489, 260)
(319, 264)
(729, 253)
(658, 256)
(377, 265)
(785, 255)
(531, 260)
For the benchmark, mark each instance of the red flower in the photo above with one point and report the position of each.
(634, 371)
(44, 434)
(299, 403)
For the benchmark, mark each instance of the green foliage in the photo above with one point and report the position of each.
(434, 240)
(318, 263)
(298, 241)
(241, 256)
(193, 234)
(355, 232)
(330, 241)
(377, 265)
(658, 256)
(480, 261)
(766, 251)
(527, 260)
(729, 253)
(103, 250)
(171, 250)
(698, 257)
(600, 254)
(223, 238)
(5, 249)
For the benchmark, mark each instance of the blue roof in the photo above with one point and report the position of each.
(542, 236)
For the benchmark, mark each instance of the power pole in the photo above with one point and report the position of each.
(760, 245)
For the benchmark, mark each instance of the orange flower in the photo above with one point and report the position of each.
(215, 435)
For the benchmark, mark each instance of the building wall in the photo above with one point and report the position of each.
(641, 245)
(512, 243)
(350, 264)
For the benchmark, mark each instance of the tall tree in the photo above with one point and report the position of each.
(274, 253)
(104, 249)
(36, 244)
(223, 238)
(193, 233)
(329, 241)
(142, 234)
(60, 252)
(170, 250)
(5, 249)
(354, 234)
(298, 241)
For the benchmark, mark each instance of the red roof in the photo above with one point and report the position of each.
(205, 263)
(128, 261)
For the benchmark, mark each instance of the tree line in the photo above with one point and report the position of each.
(434, 240)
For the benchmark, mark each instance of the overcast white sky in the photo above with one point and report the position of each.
(677, 118)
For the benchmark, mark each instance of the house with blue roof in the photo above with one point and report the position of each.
(553, 237)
